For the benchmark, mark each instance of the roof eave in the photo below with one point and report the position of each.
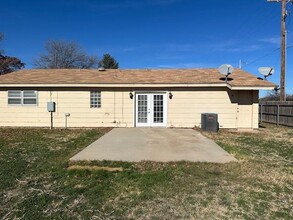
(141, 85)
(253, 87)
(110, 85)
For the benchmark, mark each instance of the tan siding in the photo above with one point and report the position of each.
(111, 114)
(77, 103)
(255, 109)
(117, 110)
(185, 108)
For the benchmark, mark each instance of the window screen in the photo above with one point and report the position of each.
(29, 97)
(25, 97)
(14, 97)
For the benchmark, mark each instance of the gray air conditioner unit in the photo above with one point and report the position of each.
(209, 122)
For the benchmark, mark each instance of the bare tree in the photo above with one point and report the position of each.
(8, 64)
(65, 55)
(274, 95)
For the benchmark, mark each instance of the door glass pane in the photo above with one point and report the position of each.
(158, 109)
(142, 109)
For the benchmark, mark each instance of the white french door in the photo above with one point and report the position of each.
(151, 110)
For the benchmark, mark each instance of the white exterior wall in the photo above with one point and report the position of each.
(117, 109)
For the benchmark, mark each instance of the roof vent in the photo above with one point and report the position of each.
(101, 69)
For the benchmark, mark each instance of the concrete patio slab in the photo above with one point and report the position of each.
(154, 144)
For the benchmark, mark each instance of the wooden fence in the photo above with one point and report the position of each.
(279, 113)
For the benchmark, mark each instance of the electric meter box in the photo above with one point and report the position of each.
(51, 106)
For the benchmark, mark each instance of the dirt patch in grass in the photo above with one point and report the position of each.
(94, 168)
(35, 182)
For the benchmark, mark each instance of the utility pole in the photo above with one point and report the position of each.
(283, 47)
(283, 52)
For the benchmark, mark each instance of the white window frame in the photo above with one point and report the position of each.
(22, 98)
(95, 99)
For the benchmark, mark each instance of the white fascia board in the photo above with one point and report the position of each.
(252, 88)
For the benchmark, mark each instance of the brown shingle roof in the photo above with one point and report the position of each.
(131, 76)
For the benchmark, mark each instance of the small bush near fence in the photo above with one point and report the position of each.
(280, 113)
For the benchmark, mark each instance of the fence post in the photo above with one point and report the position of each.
(261, 112)
(278, 114)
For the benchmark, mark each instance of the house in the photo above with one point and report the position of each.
(129, 98)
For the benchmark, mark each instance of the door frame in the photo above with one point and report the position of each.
(245, 99)
(165, 113)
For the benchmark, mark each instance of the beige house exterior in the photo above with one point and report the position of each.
(129, 98)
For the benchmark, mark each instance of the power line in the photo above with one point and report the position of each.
(263, 56)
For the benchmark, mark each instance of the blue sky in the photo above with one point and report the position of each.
(153, 33)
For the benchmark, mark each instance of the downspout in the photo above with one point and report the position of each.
(114, 106)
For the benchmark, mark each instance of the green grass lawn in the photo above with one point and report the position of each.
(35, 182)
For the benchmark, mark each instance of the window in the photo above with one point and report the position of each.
(19, 97)
(29, 97)
(14, 97)
(95, 99)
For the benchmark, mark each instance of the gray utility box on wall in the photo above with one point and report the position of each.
(51, 106)
(209, 122)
